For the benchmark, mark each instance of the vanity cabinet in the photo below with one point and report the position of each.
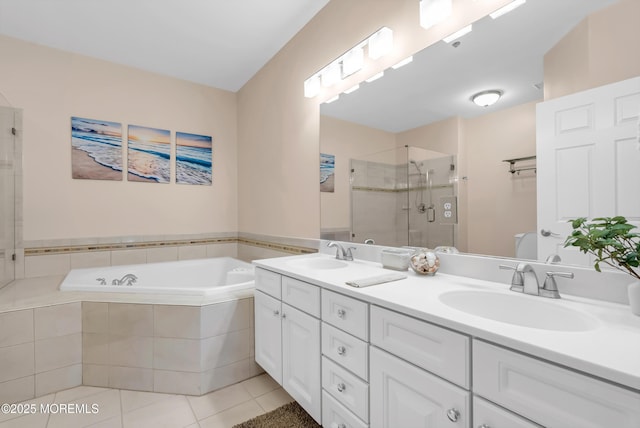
(287, 336)
(548, 394)
(408, 363)
(345, 361)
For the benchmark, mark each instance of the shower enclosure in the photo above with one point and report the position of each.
(9, 171)
(404, 197)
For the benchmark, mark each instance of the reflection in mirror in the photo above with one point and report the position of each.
(427, 105)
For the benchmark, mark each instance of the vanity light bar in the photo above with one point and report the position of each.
(450, 38)
(379, 44)
(433, 12)
(508, 8)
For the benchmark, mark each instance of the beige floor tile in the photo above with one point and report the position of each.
(170, 413)
(108, 406)
(260, 385)
(37, 420)
(76, 393)
(132, 400)
(233, 416)
(115, 422)
(217, 401)
(274, 399)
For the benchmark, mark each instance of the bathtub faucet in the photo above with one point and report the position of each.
(101, 281)
(128, 279)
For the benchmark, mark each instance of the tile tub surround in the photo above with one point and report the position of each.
(57, 257)
(167, 348)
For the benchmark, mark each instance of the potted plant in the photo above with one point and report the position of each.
(611, 241)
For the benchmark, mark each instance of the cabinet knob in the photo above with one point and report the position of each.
(341, 313)
(341, 387)
(284, 315)
(276, 313)
(342, 350)
(453, 415)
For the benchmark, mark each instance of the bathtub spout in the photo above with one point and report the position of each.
(101, 281)
(128, 279)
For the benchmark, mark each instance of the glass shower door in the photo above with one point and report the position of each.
(7, 194)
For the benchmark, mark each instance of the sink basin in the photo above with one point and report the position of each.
(522, 310)
(318, 263)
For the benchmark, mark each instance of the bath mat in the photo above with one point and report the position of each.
(288, 416)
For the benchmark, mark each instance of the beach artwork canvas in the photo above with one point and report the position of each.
(327, 170)
(96, 149)
(193, 158)
(149, 154)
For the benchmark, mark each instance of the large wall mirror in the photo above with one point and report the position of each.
(412, 144)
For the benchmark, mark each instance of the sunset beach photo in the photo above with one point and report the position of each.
(149, 154)
(96, 149)
(193, 159)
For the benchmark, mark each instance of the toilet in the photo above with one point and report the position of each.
(526, 245)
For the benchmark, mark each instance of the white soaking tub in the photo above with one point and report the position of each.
(203, 277)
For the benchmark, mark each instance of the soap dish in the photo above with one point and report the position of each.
(395, 259)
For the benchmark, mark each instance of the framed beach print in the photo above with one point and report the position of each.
(193, 159)
(149, 154)
(327, 172)
(96, 149)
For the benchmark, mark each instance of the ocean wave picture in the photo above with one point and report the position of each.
(96, 149)
(149, 154)
(193, 159)
(327, 172)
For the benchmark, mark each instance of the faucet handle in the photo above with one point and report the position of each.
(349, 255)
(550, 288)
(517, 280)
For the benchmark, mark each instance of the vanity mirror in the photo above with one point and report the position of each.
(426, 105)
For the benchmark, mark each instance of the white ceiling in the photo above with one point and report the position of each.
(505, 54)
(219, 43)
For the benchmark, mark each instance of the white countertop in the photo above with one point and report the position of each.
(610, 351)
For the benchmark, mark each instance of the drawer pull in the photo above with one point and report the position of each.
(342, 350)
(341, 387)
(453, 415)
(341, 313)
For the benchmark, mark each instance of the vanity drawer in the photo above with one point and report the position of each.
(268, 282)
(346, 387)
(346, 313)
(550, 395)
(335, 415)
(346, 350)
(301, 295)
(438, 350)
(486, 414)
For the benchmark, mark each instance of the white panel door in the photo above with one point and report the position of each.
(402, 395)
(301, 359)
(588, 158)
(268, 335)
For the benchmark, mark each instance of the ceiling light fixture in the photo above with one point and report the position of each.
(379, 44)
(486, 98)
(433, 12)
(508, 8)
(451, 37)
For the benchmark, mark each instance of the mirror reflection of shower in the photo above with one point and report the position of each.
(396, 198)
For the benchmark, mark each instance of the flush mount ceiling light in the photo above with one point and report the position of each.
(508, 8)
(487, 98)
(433, 12)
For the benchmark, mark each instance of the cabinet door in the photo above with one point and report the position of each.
(402, 395)
(301, 359)
(268, 336)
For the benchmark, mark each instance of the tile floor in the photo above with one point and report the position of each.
(124, 409)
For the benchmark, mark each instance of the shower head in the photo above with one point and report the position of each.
(411, 161)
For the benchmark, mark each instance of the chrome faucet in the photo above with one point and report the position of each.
(520, 284)
(553, 258)
(101, 281)
(341, 253)
(128, 279)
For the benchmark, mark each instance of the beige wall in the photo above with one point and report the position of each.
(278, 129)
(51, 86)
(346, 140)
(598, 51)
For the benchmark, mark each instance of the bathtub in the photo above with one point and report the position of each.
(203, 277)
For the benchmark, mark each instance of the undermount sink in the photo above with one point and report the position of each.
(318, 263)
(522, 310)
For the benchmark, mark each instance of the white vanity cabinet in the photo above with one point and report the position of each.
(548, 394)
(287, 336)
(409, 359)
(345, 361)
